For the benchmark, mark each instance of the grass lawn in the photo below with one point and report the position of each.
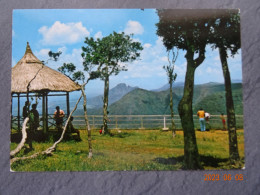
(131, 150)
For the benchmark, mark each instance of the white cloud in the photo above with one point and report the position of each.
(152, 59)
(73, 57)
(134, 27)
(180, 69)
(13, 33)
(61, 33)
(98, 35)
(216, 58)
(147, 45)
(42, 54)
(164, 59)
(211, 70)
(62, 49)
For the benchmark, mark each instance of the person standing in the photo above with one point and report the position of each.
(223, 122)
(58, 117)
(207, 117)
(33, 124)
(25, 109)
(201, 115)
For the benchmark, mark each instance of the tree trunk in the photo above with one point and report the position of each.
(105, 105)
(24, 137)
(231, 118)
(90, 154)
(172, 113)
(191, 155)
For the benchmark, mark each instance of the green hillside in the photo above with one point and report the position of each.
(211, 97)
(141, 102)
(216, 103)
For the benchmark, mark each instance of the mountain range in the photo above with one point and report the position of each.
(127, 100)
(209, 96)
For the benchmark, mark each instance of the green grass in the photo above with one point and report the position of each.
(131, 150)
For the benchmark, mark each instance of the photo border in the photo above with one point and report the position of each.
(138, 182)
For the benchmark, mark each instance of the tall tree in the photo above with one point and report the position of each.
(187, 30)
(225, 35)
(171, 78)
(109, 55)
(69, 69)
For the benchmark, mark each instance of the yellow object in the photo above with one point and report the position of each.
(201, 113)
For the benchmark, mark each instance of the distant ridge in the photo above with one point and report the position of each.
(167, 86)
(115, 94)
(210, 96)
(181, 84)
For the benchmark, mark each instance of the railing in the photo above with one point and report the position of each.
(137, 121)
(147, 121)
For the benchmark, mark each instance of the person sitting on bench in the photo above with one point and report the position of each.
(71, 129)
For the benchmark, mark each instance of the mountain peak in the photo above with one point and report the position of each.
(115, 94)
(121, 85)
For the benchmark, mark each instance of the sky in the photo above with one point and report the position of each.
(65, 30)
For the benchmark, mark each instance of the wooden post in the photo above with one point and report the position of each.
(116, 122)
(12, 112)
(164, 124)
(68, 103)
(43, 113)
(142, 123)
(19, 127)
(47, 117)
(93, 121)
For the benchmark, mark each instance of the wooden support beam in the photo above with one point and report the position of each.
(47, 123)
(11, 112)
(19, 127)
(44, 113)
(68, 103)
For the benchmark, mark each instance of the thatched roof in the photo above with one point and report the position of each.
(42, 78)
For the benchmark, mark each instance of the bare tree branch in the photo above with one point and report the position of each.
(29, 84)
(21, 144)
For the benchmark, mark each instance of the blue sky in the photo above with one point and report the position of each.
(64, 30)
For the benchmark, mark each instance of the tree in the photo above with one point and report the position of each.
(108, 55)
(225, 35)
(187, 30)
(171, 78)
(68, 69)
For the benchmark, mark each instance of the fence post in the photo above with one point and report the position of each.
(116, 122)
(142, 124)
(164, 124)
(93, 120)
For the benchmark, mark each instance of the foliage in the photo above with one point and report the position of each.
(79, 75)
(108, 53)
(184, 29)
(67, 68)
(54, 56)
(171, 78)
(170, 67)
(107, 56)
(225, 31)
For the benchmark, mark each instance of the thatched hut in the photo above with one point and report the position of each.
(30, 75)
